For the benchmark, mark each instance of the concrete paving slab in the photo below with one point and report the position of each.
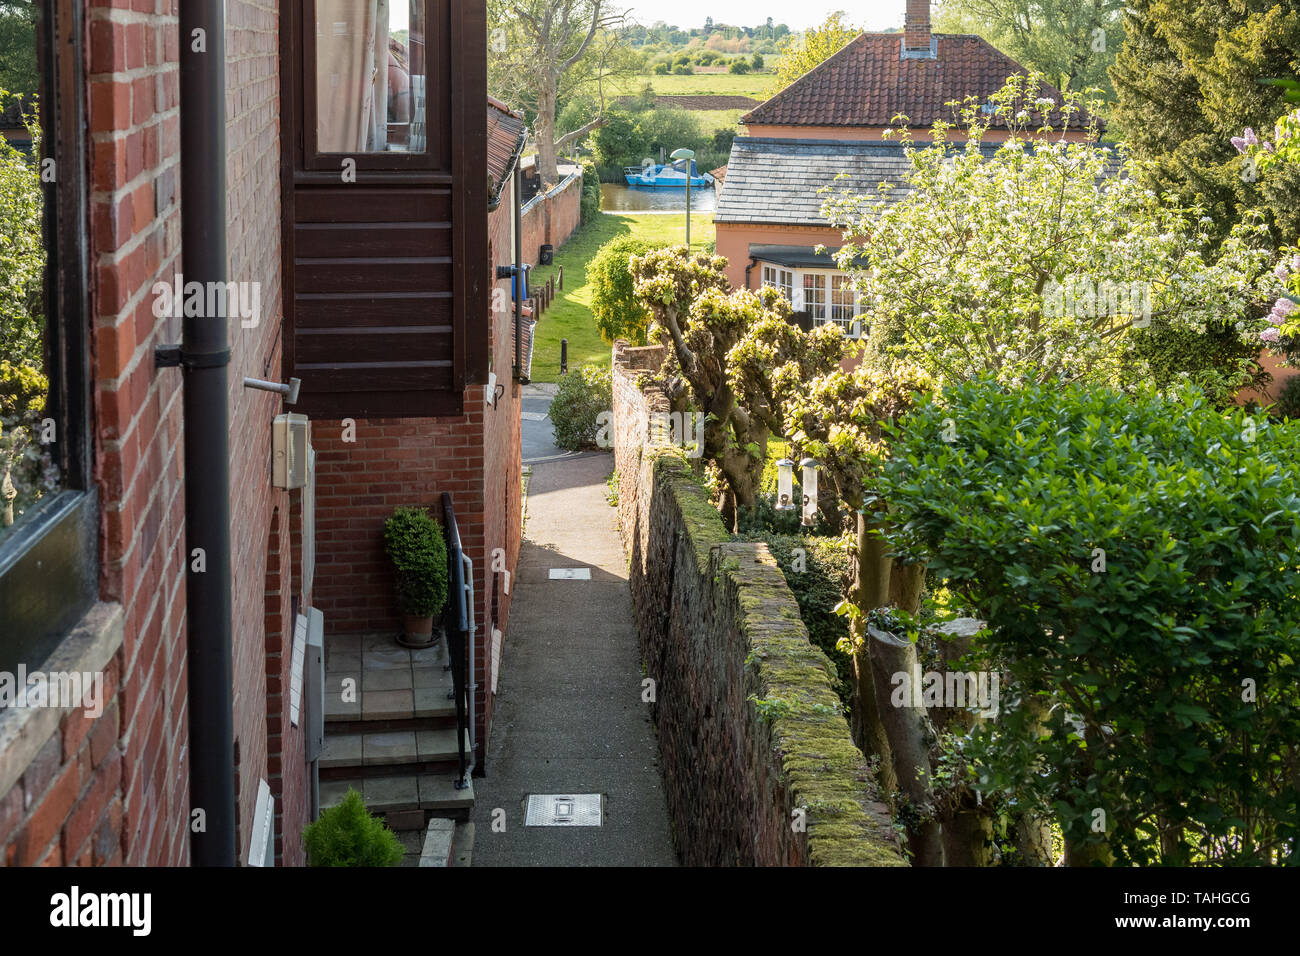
(569, 714)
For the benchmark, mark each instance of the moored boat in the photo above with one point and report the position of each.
(669, 176)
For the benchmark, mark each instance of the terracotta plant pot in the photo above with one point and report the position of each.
(418, 632)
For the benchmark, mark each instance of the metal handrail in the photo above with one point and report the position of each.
(457, 621)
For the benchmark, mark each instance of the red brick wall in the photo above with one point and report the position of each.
(286, 763)
(502, 462)
(551, 219)
(135, 241)
(66, 809)
(115, 790)
(253, 235)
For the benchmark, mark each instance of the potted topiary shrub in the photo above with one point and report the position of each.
(416, 547)
(348, 835)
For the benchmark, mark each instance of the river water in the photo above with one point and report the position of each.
(615, 197)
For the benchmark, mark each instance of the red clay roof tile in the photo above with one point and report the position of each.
(869, 82)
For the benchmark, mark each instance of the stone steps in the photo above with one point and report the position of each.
(390, 734)
(390, 748)
(395, 793)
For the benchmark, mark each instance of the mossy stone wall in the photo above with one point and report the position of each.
(759, 768)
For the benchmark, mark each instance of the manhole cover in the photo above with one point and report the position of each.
(564, 810)
(570, 574)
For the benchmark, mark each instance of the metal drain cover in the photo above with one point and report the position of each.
(570, 574)
(564, 810)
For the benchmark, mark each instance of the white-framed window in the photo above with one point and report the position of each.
(814, 296)
(826, 295)
(844, 302)
(778, 278)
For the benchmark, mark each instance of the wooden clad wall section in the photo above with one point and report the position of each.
(388, 276)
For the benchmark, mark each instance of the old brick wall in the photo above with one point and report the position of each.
(551, 217)
(135, 242)
(759, 768)
(114, 790)
(263, 733)
(502, 465)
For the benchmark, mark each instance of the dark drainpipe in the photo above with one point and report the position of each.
(518, 190)
(205, 355)
(753, 261)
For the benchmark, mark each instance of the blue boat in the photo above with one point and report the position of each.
(672, 176)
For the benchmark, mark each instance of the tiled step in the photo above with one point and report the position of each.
(375, 678)
(431, 792)
(389, 748)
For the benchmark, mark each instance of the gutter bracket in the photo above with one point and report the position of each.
(175, 356)
(167, 356)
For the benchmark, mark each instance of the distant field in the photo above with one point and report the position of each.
(711, 120)
(757, 85)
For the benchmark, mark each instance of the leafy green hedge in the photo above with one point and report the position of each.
(614, 305)
(582, 395)
(1138, 562)
(815, 577)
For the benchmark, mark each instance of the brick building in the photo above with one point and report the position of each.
(830, 121)
(369, 249)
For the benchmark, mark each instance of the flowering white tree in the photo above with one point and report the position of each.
(1038, 262)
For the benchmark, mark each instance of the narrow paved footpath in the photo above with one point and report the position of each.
(569, 717)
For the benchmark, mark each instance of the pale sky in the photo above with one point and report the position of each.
(871, 14)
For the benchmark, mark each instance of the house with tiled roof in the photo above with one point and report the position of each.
(825, 129)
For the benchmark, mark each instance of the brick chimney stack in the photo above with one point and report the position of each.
(916, 26)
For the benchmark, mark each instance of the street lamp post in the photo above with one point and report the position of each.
(688, 155)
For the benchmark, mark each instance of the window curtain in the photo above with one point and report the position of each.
(351, 75)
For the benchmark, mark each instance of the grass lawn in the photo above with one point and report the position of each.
(757, 85)
(569, 316)
(719, 119)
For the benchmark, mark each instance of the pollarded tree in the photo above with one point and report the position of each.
(1046, 261)
(699, 322)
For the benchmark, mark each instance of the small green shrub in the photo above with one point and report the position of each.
(415, 545)
(681, 69)
(660, 69)
(347, 835)
(738, 66)
(614, 305)
(582, 395)
(757, 61)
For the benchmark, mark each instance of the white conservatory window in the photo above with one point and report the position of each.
(782, 279)
(814, 295)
